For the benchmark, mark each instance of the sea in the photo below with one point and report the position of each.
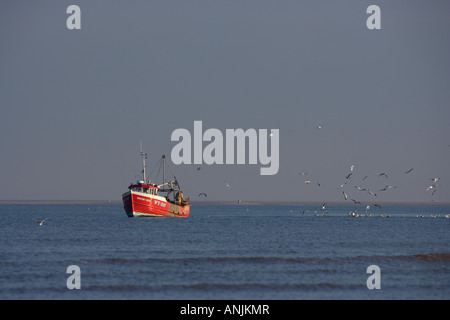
(225, 252)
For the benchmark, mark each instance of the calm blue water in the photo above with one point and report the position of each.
(224, 252)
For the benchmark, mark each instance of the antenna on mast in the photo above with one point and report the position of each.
(144, 165)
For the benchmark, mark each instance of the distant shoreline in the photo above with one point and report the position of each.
(60, 201)
(242, 202)
(337, 203)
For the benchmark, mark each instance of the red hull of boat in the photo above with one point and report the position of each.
(137, 204)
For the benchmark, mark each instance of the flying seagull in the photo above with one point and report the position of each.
(387, 187)
(348, 176)
(303, 173)
(227, 184)
(434, 179)
(40, 222)
(342, 185)
(409, 170)
(356, 202)
(383, 174)
(352, 167)
(377, 205)
(307, 181)
(202, 194)
(345, 195)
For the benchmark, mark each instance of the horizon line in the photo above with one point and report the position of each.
(233, 202)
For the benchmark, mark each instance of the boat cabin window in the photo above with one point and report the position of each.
(145, 190)
(150, 191)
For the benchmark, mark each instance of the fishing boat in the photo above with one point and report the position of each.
(147, 199)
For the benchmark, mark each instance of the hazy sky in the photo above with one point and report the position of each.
(75, 103)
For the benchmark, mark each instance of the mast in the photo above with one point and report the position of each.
(164, 168)
(144, 164)
(173, 184)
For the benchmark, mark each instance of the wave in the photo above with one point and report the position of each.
(224, 286)
(427, 257)
(186, 260)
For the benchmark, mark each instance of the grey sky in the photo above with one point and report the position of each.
(75, 103)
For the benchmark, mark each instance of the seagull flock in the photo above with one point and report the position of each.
(374, 193)
(349, 177)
